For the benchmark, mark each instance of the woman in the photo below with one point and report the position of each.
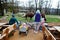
(13, 20)
(37, 21)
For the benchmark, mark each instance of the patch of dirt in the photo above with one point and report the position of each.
(54, 24)
(30, 36)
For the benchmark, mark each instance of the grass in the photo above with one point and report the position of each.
(0, 16)
(50, 18)
(53, 20)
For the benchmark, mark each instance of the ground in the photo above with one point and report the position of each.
(51, 19)
(30, 36)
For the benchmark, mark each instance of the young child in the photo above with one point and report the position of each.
(42, 22)
(24, 25)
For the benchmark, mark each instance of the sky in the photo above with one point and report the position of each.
(53, 2)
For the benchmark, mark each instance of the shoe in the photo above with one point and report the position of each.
(40, 30)
(35, 31)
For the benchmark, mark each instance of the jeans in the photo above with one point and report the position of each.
(40, 28)
(36, 26)
(17, 26)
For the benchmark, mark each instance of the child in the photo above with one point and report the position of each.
(42, 22)
(13, 20)
(24, 26)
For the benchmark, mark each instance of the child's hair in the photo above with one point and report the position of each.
(24, 23)
(43, 16)
(13, 15)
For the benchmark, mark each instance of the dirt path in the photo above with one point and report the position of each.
(30, 36)
(54, 24)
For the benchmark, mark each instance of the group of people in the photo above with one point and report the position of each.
(39, 20)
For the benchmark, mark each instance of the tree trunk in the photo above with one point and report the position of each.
(36, 4)
(1, 9)
(2, 12)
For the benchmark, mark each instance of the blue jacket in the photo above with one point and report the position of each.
(13, 20)
(37, 17)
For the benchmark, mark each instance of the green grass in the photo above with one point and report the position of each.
(1, 16)
(53, 20)
(50, 18)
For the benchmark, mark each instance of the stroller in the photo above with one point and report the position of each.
(23, 28)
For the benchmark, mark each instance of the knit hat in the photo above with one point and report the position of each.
(13, 15)
(38, 11)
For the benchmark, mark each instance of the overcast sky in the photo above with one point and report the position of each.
(53, 2)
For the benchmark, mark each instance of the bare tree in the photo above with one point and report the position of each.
(46, 6)
(36, 4)
(30, 5)
(2, 6)
(49, 6)
(58, 5)
(40, 4)
(12, 5)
